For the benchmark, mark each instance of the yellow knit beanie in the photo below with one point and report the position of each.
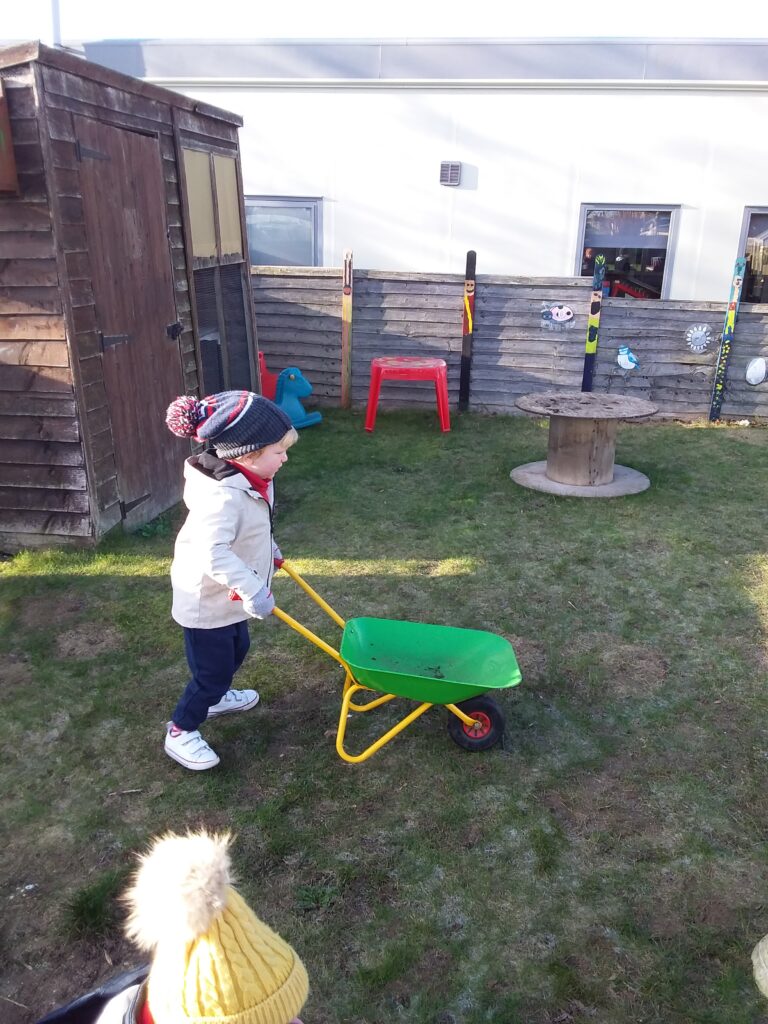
(214, 961)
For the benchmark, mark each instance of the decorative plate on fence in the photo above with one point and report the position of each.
(699, 337)
(756, 371)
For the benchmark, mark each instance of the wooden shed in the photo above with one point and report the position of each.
(123, 283)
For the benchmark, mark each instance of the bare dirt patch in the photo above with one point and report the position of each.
(712, 896)
(531, 657)
(88, 640)
(51, 611)
(607, 800)
(624, 670)
(16, 673)
(750, 435)
(41, 966)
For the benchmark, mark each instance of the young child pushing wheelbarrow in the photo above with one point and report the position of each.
(226, 549)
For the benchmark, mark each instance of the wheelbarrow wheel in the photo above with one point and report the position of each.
(488, 728)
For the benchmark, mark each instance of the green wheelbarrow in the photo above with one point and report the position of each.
(429, 664)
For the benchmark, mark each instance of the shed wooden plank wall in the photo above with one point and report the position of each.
(57, 451)
(43, 483)
(67, 95)
(513, 354)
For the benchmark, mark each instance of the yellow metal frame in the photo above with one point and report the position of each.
(351, 686)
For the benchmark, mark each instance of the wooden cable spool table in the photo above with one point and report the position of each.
(582, 444)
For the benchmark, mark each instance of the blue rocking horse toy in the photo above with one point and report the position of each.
(291, 387)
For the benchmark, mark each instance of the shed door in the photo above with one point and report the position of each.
(124, 205)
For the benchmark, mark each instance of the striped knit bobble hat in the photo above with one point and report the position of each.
(213, 960)
(234, 422)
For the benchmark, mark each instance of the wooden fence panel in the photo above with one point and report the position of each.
(298, 323)
(518, 346)
(402, 314)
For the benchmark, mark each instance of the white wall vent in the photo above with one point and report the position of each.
(450, 172)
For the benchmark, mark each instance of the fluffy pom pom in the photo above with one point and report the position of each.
(179, 889)
(183, 416)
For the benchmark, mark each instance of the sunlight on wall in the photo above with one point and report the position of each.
(531, 160)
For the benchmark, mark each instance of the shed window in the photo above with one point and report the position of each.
(754, 245)
(222, 329)
(284, 231)
(202, 222)
(228, 203)
(637, 244)
(215, 226)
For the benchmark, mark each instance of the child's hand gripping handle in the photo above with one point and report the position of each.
(261, 599)
(259, 606)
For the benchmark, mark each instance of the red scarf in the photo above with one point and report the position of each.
(258, 483)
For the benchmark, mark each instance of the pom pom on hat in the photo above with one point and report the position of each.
(183, 416)
(212, 958)
(234, 422)
(180, 887)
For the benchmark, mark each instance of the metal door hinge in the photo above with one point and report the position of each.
(129, 506)
(175, 330)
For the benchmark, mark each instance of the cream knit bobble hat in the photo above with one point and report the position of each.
(213, 960)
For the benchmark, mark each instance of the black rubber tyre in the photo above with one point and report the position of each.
(490, 724)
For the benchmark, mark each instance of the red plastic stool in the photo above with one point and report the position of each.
(409, 368)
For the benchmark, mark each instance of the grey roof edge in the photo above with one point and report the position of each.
(474, 85)
(435, 41)
(434, 61)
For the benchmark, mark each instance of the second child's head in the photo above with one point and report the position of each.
(241, 426)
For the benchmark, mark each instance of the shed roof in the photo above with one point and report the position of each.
(64, 60)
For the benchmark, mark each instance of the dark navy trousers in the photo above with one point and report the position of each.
(213, 655)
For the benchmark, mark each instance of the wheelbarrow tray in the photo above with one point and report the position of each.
(438, 664)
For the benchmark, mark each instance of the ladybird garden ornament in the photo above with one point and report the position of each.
(556, 316)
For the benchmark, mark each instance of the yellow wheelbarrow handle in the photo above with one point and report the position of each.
(307, 633)
(313, 594)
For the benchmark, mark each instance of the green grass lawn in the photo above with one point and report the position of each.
(607, 864)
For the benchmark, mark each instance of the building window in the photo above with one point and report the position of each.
(754, 245)
(283, 231)
(637, 245)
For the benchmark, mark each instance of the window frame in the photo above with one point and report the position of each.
(672, 208)
(316, 205)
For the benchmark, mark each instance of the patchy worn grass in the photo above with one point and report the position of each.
(606, 865)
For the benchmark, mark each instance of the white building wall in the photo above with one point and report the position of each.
(531, 157)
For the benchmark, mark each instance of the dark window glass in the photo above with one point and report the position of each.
(756, 251)
(635, 245)
(283, 232)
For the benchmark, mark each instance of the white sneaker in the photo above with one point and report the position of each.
(234, 700)
(191, 750)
